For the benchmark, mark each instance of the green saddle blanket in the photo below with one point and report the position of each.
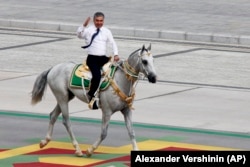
(77, 80)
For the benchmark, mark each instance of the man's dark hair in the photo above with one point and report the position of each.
(98, 14)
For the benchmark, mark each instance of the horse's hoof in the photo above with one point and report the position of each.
(136, 149)
(43, 143)
(88, 153)
(78, 153)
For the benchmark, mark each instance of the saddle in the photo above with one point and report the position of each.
(83, 70)
(81, 76)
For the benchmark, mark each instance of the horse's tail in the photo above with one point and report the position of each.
(39, 87)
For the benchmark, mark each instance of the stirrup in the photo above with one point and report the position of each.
(94, 104)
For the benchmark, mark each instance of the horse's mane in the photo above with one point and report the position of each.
(137, 51)
(134, 52)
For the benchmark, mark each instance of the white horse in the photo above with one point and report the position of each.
(123, 83)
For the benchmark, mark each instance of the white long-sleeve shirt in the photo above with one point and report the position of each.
(99, 44)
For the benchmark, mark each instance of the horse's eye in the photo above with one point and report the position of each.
(145, 62)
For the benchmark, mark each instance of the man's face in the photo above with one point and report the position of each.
(98, 21)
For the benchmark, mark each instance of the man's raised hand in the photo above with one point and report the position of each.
(85, 24)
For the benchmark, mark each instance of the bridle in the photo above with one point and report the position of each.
(132, 75)
(131, 72)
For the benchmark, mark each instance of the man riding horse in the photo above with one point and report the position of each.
(96, 37)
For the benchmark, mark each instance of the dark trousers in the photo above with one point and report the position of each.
(95, 64)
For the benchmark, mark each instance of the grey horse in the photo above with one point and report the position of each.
(123, 84)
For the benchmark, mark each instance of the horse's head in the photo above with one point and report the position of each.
(142, 61)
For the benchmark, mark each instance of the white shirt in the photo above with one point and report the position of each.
(100, 42)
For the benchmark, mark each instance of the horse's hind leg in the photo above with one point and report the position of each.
(67, 124)
(53, 117)
(104, 132)
(128, 121)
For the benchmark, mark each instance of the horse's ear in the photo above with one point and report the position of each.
(149, 47)
(142, 49)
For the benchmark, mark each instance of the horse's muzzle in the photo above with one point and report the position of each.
(152, 78)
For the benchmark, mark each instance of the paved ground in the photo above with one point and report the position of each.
(19, 141)
(224, 21)
(224, 16)
(199, 86)
(20, 133)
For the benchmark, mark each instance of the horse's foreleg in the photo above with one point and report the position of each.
(128, 121)
(104, 132)
(53, 117)
(67, 124)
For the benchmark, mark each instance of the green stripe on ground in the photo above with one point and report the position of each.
(137, 125)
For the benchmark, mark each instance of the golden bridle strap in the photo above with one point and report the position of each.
(131, 73)
(128, 99)
(130, 69)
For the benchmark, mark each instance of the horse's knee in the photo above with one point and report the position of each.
(103, 135)
(52, 119)
(131, 134)
(53, 115)
(64, 122)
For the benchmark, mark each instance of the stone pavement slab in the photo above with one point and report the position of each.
(224, 21)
